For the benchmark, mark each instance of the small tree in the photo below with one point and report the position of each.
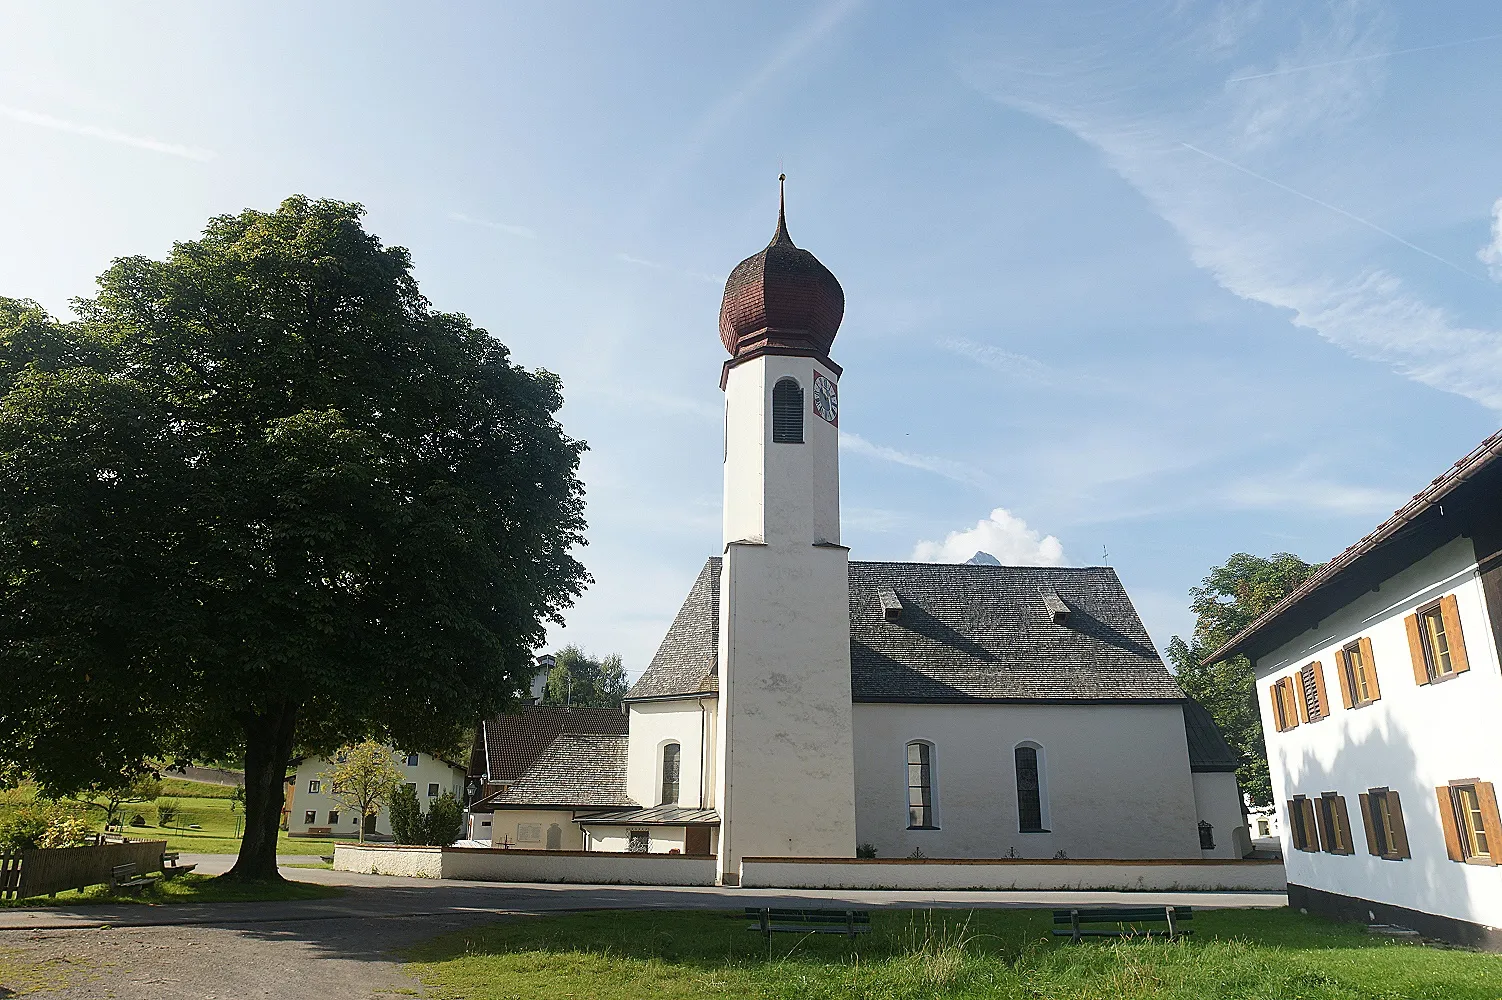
(166, 812)
(406, 816)
(363, 778)
(445, 821)
(142, 788)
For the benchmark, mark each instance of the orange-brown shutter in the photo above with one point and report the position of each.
(1370, 823)
(1272, 695)
(1399, 831)
(1450, 612)
(1416, 650)
(1371, 668)
(1319, 690)
(1342, 668)
(1293, 828)
(1447, 820)
(1326, 835)
(1343, 817)
(1303, 702)
(1489, 816)
(1296, 699)
(1312, 824)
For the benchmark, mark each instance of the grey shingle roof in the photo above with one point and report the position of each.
(685, 662)
(1208, 749)
(576, 771)
(512, 742)
(655, 816)
(962, 633)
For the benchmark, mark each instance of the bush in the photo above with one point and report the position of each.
(866, 850)
(44, 825)
(166, 811)
(445, 821)
(67, 830)
(406, 817)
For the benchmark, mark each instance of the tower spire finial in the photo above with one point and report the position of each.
(781, 236)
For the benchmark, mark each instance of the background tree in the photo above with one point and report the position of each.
(362, 778)
(1227, 601)
(583, 681)
(406, 816)
(141, 788)
(262, 492)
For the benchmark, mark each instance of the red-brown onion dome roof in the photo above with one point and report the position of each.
(781, 297)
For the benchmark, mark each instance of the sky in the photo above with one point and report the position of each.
(1145, 284)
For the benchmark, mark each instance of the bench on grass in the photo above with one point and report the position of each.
(125, 877)
(774, 921)
(1120, 915)
(170, 866)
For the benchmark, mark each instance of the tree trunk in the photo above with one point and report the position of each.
(268, 747)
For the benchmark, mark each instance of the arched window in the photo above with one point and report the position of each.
(1030, 799)
(787, 412)
(670, 756)
(920, 786)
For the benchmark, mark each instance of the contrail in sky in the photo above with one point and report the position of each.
(1357, 59)
(107, 134)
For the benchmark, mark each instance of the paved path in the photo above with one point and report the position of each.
(343, 947)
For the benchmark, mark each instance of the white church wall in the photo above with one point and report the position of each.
(617, 839)
(1100, 763)
(655, 724)
(528, 829)
(1006, 874)
(1414, 739)
(1217, 801)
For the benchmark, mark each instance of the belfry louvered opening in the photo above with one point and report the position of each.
(787, 412)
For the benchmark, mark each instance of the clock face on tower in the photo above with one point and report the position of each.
(826, 399)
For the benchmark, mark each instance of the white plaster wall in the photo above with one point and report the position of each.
(1414, 739)
(411, 862)
(791, 873)
(428, 769)
(1099, 762)
(1217, 801)
(616, 839)
(506, 823)
(654, 724)
(480, 864)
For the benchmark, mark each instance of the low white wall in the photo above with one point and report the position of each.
(490, 865)
(413, 862)
(1007, 873)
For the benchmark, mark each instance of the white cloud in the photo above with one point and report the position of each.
(106, 134)
(948, 468)
(1491, 254)
(1003, 535)
(1228, 166)
(505, 227)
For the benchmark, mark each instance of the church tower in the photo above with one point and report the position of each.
(784, 765)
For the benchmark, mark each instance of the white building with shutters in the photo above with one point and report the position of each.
(1381, 693)
(804, 704)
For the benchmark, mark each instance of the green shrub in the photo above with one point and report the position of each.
(445, 821)
(866, 850)
(406, 817)
(44, 824)
(166, 811)
(66, 829)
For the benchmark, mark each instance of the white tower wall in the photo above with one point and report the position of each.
(784, 756)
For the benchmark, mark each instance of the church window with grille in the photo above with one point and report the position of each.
(1029, 789)
(787, 412)
(671, 755)
(920, 786)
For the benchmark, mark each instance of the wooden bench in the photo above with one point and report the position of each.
(773, 921)
(125, 877)
(170, 867)
(1072, 920)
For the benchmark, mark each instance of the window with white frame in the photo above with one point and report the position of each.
(1027, 759)
(920, 786)
(671, 765)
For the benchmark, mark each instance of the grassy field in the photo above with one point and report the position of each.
(207, 806)
(1243, 954)
(190, 888)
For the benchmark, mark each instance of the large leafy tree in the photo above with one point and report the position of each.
(262, 492)
(583, 681)
(1229, 599)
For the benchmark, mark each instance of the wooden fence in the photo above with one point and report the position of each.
(46, 870)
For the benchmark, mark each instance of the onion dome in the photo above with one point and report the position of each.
(781, 301)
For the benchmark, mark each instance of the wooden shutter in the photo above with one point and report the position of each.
(1370, 823)
(1342, 668)
(1302, 701)
(1416, 650)
(1371, 668)
(1447, 820)
(1489, 816)
(1326, 838)
(1399, 831)
(1296, 699)
(1347, 842)
(1293, 828)
(1313, 824)
(1319, 690)
(1449, 610)
(1272, 696)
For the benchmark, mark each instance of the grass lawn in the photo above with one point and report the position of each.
(190, 888)
(1245, 954)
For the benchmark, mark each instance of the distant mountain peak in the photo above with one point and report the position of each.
(983, 559)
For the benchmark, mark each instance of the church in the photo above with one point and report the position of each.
(804, 704)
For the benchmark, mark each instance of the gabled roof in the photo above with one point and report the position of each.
(1468, 489)
(509, 744)
(1208, 749)
(957, 633)
(575, 771)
